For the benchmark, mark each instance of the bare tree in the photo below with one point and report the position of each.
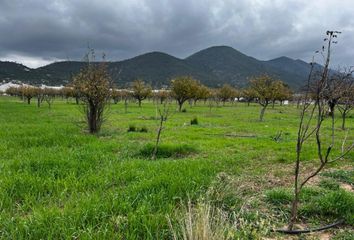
(164, 111)
(93, 86)
(346, 102)
(311, 121)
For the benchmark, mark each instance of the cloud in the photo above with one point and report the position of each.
(44, 30)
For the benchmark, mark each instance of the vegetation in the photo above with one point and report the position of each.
(140, 91)
(60, 183)
(93, 86)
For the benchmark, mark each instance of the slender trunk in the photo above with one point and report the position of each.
(38, 102)
(273, 104)
(28, 100)
(262, 112)
(125, 105)
(154, 153)
(343, 119)
(139, 100)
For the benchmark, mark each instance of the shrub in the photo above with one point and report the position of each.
(184, 110)
(194, 121)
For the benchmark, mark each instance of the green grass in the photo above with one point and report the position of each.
(58, 182)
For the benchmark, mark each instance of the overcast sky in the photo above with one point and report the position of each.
(37, 32)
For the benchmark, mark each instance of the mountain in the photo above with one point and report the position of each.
(213, 66)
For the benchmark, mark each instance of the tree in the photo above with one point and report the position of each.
(27, 92)
(202, 93)
(140, 91)
(265, 89)
(226, 92)
(164, 111)
(93, 86)
(249, 95)
(183, 89)
(311, 126)
(337, 85)
(346, 102)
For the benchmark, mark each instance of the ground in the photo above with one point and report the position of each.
(60, 182)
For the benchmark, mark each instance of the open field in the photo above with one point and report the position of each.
(59, 182)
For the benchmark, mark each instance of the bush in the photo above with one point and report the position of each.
(184, 110)
(194, 121)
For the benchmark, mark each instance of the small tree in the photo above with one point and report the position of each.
(226, 92)
(264, 88)
(311, 124)
(164, 112)
(183, 89)
(346, 102)
(93, 85)
(140, 90)
(27, 92)
(203, 93)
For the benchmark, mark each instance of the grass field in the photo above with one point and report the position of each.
(58, 182)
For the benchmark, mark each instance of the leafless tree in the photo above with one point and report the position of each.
(311, 125)
(164, 112)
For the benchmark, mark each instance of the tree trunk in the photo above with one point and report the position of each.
(28, 100)
(38, 102)
(154, 153)
(343, 120)
(262, 113)
(180, 106)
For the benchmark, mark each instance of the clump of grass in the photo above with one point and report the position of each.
(337, 204)
(133, 128)
(279, 196)
(194, 121)
(203, 221)
(346, 176)
(329, 184)
(223, 194)
(143, 129)
(168, 151)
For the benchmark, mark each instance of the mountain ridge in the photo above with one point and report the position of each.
(212, 66)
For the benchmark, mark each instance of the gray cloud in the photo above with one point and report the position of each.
(39, 31)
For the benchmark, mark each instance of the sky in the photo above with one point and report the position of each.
(38, 32)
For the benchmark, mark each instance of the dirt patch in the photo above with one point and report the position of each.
(347, 187)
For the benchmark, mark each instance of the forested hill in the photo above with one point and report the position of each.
(213, 66)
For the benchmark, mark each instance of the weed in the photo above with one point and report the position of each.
(194, 121)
